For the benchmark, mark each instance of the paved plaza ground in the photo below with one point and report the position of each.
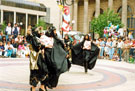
(106, 76)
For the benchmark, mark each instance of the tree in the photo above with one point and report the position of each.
(3, 27)
(42, 23)
(103, 20)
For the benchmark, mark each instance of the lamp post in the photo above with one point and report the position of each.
(65, 3)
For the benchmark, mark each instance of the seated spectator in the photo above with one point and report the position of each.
(9, 38)
(115, 56)
(1, 49)
(15, 45)
(1, 35)
(131, 59)
(3, 38)
(21, 50)
(18, 39)
(8, 49)
(4, 44)
(24, 41)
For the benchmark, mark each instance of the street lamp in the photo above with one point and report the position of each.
(65, 2)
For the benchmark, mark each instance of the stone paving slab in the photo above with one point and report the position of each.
(106, 76)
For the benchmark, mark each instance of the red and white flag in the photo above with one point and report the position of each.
(66, 20)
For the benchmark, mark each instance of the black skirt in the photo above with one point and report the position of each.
(39, 75)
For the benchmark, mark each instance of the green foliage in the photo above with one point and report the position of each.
(3, 27)
(103, 20)
(42, 23)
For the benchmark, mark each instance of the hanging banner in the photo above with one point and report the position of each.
(66, 20)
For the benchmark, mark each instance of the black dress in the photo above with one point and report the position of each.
(79, 55)
(40, 71)
(57, 62)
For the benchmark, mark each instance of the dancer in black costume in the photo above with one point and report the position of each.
(56, 58)
(48, 67)
(38, 67)
(85, 54)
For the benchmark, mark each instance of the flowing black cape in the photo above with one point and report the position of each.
(58, 63)
(77, 55)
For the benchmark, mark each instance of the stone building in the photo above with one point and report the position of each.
(22, 12)
(83, 12)
(54, 14)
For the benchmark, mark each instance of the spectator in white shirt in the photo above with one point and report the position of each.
(121, 31)
(9, 29)
(120, 46)
(9, 49)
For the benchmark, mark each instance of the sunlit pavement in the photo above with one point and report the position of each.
(106, 76)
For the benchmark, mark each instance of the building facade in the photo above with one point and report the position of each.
(54, 15)
(22, 12)
(83, 11)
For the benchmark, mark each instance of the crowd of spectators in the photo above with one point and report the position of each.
(12, 44)
(117, 49)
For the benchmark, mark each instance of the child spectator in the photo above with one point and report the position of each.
(115, 56)
(21, 50)
(131, 59)
(9, 49)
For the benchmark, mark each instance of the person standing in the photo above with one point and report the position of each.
(15, 30)
(110, 50)
(85, 52)
(8, 29)
(120, 46)
(126, 49)
(102, 45)
(55, 57)
(132, 49)
(38, 67)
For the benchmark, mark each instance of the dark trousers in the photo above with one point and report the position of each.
(86, 55)
(119, 52)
